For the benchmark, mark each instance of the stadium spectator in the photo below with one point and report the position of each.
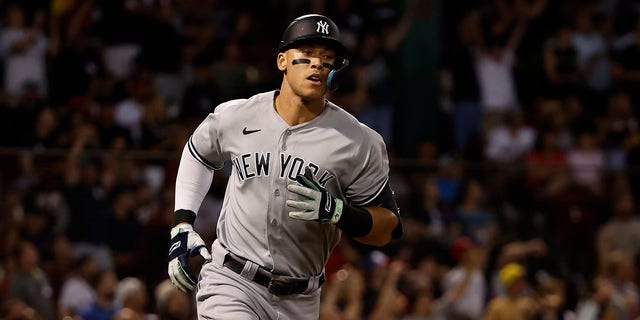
(428, 215)
(514, 304)
(86, 187)
(172, 303)
(586, 162)
(16, 309)
(470, 213)
(625, 67)
(60, 265)
(391, 303)
(546, 172)
(103, 307)
(495, 62)
(202, 94)
(459, 81)
(131, 296)
(342, 297)
(30, 284)
(465, 285)
(24, 48)
(415, 103)
(592, 56)
(124, 231)
(561, 65)
(621, 124)
(511, 140)
(371, 99)
(551, 299)
(621, 232)
(76, 293)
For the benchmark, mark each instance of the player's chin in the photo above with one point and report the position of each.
(314, 92)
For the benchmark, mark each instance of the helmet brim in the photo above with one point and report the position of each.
(315, 39)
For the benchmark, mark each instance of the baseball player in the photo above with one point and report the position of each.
(304, 171)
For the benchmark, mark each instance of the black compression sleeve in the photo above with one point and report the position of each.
(182, 215)
(356, 222)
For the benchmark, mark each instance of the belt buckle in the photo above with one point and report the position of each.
(281, 286)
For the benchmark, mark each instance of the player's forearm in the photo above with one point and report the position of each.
(192, 183)
(383, 223)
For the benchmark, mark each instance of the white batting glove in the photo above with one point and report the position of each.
(185, 243)
(320, 204)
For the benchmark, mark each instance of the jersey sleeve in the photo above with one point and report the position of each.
(372, 174)
(204, 143)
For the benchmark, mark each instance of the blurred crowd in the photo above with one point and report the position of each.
(511, 124)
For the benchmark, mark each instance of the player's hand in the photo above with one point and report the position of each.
(320, 205)
(186, 244)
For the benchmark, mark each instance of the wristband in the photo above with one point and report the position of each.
(356, 222)
(183, 216)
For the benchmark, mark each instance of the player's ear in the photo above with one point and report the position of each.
(281, 61)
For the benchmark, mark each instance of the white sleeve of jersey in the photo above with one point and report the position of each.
(192, 182)
(369, 181)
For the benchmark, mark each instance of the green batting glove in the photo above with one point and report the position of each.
(320, 205)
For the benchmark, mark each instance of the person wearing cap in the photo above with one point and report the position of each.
(464, 286)
(513, 305)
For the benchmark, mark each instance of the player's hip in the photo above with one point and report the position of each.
(222, 291)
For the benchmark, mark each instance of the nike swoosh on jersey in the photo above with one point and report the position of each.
(246, 132)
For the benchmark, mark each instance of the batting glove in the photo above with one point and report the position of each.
(185, 243)
(320, 205)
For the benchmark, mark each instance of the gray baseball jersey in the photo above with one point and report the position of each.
(348, 158)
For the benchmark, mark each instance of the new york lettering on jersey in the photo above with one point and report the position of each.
(258, 164)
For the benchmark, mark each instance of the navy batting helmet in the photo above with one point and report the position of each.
(312, 27)
(317, 28)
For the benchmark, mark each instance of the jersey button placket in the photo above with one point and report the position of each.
(284, 140)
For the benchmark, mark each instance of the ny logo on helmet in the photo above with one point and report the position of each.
(323, 27)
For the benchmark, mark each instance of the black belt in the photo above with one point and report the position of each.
(278, 285)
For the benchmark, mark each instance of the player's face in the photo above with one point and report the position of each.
(307, 68)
